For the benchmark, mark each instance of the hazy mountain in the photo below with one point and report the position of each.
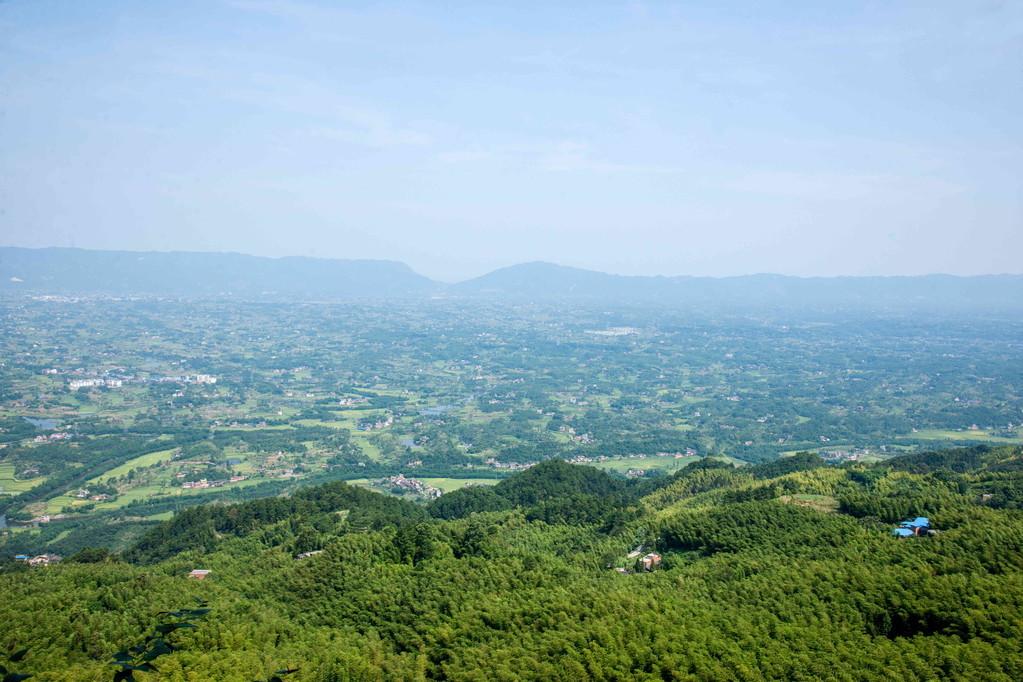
(79, 271)
(188, 274)
(540, 281)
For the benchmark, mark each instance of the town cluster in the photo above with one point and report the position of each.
(118, 381)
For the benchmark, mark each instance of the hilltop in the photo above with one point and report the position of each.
(786, 570)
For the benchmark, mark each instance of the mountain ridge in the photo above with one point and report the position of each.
(68, 271)
(60, 270)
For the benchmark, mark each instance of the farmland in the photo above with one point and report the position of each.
(144, 406)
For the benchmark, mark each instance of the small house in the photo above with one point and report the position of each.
(912, 527)
(651, 561)
(199, 574)
(44, 560)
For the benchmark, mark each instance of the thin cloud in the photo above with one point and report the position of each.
(558, 156)
(379, 134)
(315, 108)
(288, 9)
(577, 157)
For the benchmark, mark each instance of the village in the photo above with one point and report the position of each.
(403, 485)
(38, 561)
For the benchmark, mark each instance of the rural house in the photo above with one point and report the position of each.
(43, 560)
(651, 561)
(912, 527)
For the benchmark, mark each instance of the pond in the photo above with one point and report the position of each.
(42, 423)
(436, 411)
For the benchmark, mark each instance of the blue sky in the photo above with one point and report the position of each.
(706, 138)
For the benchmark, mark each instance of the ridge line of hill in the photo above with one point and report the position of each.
(76, 272)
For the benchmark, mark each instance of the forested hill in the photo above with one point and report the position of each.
(783, 571)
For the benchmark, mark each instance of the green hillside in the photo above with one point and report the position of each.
(781, 571)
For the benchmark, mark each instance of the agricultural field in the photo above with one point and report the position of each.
(139, 407)
(623, 465)
(1005, 436)
(448, 484)
(10, 485)
(441, 485)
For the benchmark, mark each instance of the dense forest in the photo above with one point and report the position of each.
(786, 570)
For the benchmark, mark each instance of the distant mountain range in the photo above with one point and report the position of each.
(538, 281)
(191, 274)
(63, 271)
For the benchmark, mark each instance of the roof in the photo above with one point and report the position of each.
(902, 532)
(918, 522)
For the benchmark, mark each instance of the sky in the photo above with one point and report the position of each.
(682, 138)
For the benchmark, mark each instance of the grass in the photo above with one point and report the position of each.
(331, 424)
(650, 463)
(55, 504)
(150, 491)
(140, 494)
(449, 484)
(146, 460)
(368, 447)
(821, 503)
(60, 536)
(9, 484)
(962, 436)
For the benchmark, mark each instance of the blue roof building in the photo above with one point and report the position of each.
(910, 527)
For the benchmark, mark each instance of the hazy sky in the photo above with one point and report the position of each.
(673, 138)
